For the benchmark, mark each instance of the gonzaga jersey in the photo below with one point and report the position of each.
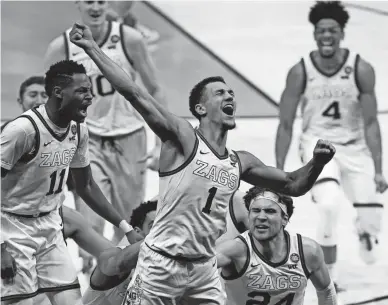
(110, 114)
(193, 202)
(330, 107)
(267, 282)
(35, 182)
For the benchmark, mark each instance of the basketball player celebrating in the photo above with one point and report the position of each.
(337, 89)
(272, 264)
(118, 144)
(37, 150)
(198, 175)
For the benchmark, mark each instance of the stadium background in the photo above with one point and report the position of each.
(251, 44)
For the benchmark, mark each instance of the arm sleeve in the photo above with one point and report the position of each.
(81, 156)
(17, 139)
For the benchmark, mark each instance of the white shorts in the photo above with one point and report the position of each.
(352, 167)
(161, 280)
(42, 260)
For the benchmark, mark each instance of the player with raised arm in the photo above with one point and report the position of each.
(198, 176)
(336, 88)
(38, 148)
(118, 143)
(272, 264)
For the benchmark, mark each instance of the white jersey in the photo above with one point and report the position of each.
(112, 296)
(110, 114)
(263, 281)
(330, 107)
(193, 201)
(35, 181)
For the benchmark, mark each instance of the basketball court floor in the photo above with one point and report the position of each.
(252, 44)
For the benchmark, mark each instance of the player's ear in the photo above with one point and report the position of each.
(285, 220)
(20, 101)
(200, 109)
(58, 92)
(137, 229)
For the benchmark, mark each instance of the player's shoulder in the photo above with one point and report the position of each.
(312, 252)
(19, 125)
(57, 43)
(297, 70)
(83, 130)
(364, 66)
(130, 34)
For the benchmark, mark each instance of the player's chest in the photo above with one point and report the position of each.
(55, 153)
(208, 169)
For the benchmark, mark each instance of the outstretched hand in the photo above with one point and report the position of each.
(81, 36)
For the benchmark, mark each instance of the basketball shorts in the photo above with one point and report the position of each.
(42, 260)
(161, 280)
(119, 168)
(352, 167)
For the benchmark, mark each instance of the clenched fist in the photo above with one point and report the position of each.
(81, 36)
(323, 152)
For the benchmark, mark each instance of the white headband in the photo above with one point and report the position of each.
(274, 198)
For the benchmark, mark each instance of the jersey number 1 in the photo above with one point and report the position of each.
(53, 178)
(333, 111)
(209, 201)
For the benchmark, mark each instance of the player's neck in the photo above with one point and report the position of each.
(55, 116)
(274, 249)
(99, 32)
(215, 136)
(331, 62)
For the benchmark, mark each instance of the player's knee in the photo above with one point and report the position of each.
(369, 218)
(327, 195)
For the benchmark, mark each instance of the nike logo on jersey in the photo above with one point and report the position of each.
(72, 138)
(76, 53)
(203, 152)
(254, 265)
(47, 143)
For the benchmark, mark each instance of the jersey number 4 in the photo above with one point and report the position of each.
(53, 180)
(266, 298)
(333, 111)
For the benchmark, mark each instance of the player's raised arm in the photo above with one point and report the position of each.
(295, 183)
(289, 101)
(319, 274)
(166, 125)
(366, 84)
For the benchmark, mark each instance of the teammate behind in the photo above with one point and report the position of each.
(272, 264)
(39, 146)
(337, 91)
(118, 144)
(142, 220)
(198, 176)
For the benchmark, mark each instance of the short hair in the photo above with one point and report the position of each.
(255, 191)
(30, 81)
(197, 91)
(60, 74)
(329, 10)
(140, 213)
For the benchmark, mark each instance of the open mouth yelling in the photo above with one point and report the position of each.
(228, 109)
(83, 110)
(261, 227)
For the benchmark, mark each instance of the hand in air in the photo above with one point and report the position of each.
(81, 36)
(323, 152)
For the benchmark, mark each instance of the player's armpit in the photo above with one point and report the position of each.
(295, 184)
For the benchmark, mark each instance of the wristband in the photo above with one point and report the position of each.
(125, 226)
